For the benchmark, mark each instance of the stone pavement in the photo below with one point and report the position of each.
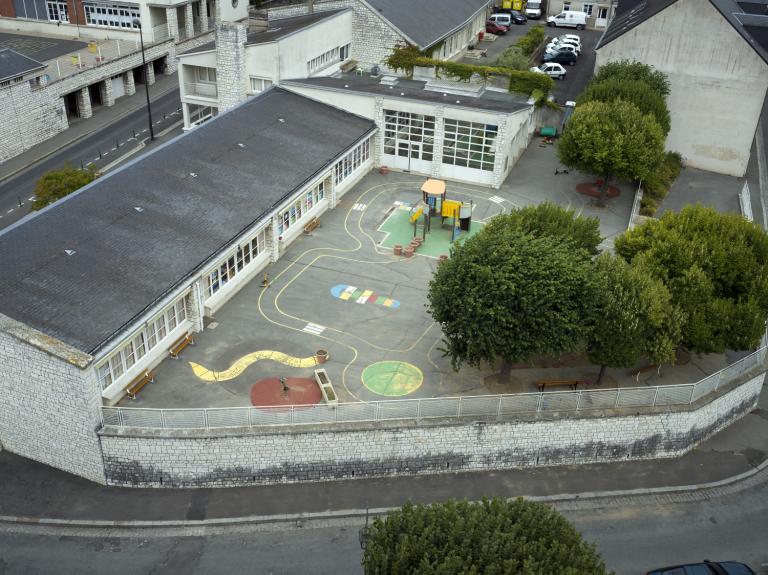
(102, 117)
(30, 491)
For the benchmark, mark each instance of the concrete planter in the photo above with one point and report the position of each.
(326, 387)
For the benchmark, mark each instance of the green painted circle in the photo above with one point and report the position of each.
(392, 378)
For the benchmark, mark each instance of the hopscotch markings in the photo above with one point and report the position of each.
(362, 296)
(496, 199)
(359, 207)
(314, 329)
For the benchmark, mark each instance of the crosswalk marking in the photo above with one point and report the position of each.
(496, 199)
(359, 207)
(314, 329)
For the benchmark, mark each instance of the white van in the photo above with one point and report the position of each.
(533, 9)
(571, 19)
(501, 19)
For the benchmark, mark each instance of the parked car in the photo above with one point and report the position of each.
(533, 9)
(562, 48)
(561, 57)
(705, 568)
(501, 19)
(553, 70)
(569, 18)
(557, 43)
(497, 29)
(518, 17)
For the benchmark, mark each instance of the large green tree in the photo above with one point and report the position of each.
(549, 219)
(492, 537)
(56, 184)
(507, 295)
(630, 71)
(635, 316)
(715, 267)
(611, 139)
(647, 100)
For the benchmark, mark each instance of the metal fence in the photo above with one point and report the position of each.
(416, 410)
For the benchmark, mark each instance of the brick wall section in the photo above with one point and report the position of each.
(32, 115)
(192, 458)
(50, 408)
(372, 38)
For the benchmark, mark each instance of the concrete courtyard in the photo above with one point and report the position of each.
(340, 291)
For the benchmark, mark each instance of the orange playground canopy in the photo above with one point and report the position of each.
(434, 187)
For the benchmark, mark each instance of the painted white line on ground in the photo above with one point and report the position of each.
(113, 149)
(32, 199)
(359, 207)
(496, 199)
(313, 328)
(105, 154)
(9, 211)
(95, 159)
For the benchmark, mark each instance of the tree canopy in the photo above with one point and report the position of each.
(630, 71)
(492, 537)
(715, 267)
(636, 318)
(549, 219)
(513, 58)
(611, 139)
(507, 295)
(56, 184)
(637, 92)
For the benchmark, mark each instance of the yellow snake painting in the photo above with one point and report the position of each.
(240, 365)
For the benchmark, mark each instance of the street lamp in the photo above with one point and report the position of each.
(137, 23)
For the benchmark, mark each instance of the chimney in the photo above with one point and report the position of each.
(230, 64)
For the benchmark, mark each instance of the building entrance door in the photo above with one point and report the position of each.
(601, 21)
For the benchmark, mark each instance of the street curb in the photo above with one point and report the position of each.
(78, 138)
(141, 145)
(302, 519)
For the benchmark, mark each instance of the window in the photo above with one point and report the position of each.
(57, 11)
(402, 130)
(587, 8)
(293, 213)
(469, 144)
(259, 84)
(353, 160)
(111, 15)
(344, 52)
(233, 264)
(327, 58)
(207, 75)
(566, 6)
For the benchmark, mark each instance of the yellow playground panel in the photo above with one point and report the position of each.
(434, 197)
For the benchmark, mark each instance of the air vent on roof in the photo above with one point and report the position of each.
(469, 89)
(241, 145)
(389, 80)
(193, 174)
(138, 208)
(70, 252)
(281, 120)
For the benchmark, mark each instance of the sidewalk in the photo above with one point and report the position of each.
(102, 117)
(33, 491)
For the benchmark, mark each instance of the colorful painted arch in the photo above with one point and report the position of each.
(362, 296)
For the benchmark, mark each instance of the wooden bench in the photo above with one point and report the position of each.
(138, 384)
(348, 66)
(313, 223)
(572, 383)
(647, 369)
(180, 344)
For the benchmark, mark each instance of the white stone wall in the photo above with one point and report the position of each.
(230, 64)
(718, 82)
(185, 458)
(372, 37)
(49, 409)
(31, 116)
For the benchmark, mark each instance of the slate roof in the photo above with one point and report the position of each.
(490, 100)
(631, 13)
(13, 64)
(426, 22)
(276, 29)
(197, 194)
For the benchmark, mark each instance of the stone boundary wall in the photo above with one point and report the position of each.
(185, 458)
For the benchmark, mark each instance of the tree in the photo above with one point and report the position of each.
(611, 139)
(506, 295)
(491, 537)
(715, 267)
(56, 184)
(647, 100)
(549, 219)
(514, 58)
(635, 316)
(630, 70)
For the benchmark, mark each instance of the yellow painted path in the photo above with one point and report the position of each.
(240, 365)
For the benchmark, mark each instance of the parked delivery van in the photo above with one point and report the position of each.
(569, 19)
(533, 9)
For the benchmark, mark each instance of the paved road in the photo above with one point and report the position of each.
(632, 539)
(21, 187)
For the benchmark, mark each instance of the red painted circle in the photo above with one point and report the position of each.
(301, 391)
(593, 190)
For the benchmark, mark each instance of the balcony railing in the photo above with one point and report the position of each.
(201, 90)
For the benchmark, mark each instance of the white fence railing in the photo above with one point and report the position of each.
(201, 89)
(416, 410)
(635, 207)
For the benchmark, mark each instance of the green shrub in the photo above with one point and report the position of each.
(56, 184)
(657, 183)
(513, 58)
(531, 40)
(627, 70)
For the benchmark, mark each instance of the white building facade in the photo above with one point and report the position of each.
(599, 12)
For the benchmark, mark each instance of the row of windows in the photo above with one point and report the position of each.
(111, 15)
(337, 54)
(57, 11)
(259, 84)
(353, 160)
(234, 264)
(140, 344)
(469, 144)
(409, 134)
(300, 207)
